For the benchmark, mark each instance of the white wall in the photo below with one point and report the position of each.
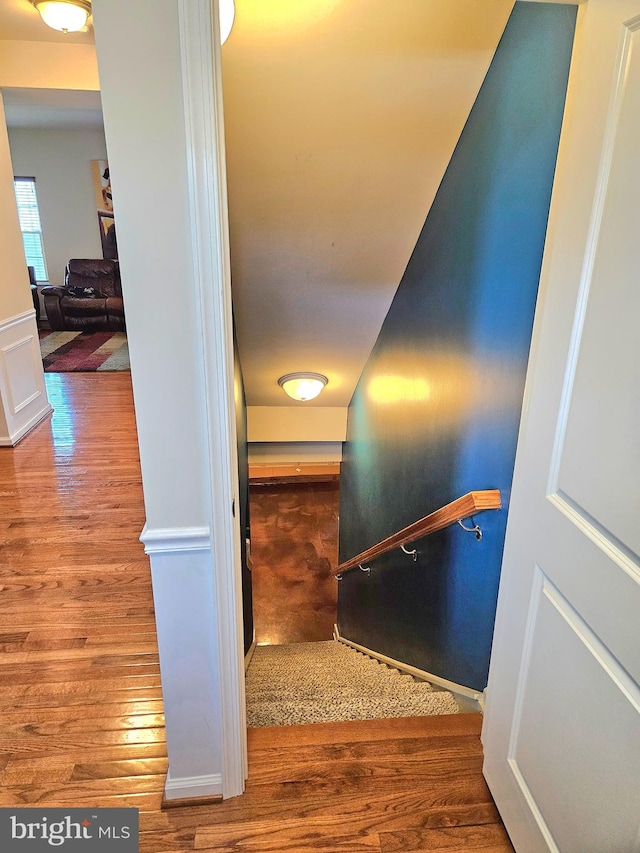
(288, 435)
(23, 398)
(296, 423)
(15, 297)
(60, 161)
(178, 308)
(48, 65)
(294, 453)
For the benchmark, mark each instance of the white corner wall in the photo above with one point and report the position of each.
(23, 397)
(163, 128)
(60, 161)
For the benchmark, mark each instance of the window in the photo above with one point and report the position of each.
(30, 225)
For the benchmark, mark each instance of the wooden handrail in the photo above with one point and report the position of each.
(463, 507)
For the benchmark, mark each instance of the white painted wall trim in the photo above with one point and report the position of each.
(175, 539)
(17, 320)
(204, 126)
(469, 692)
(187, 787)
(184, 602)
(12, 439)
(23, 394)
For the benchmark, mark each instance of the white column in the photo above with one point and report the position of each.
(159, 70)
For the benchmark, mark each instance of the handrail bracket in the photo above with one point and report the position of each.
(475, 529)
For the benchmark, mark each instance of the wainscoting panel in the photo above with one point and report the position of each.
(22, 389)
(182, 576)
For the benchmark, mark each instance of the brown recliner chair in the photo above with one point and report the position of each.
(91, 299)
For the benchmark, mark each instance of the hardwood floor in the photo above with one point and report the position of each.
(80, 700)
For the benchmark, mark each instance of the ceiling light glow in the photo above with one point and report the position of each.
(302, 386)
(67, 16)
(227, 11)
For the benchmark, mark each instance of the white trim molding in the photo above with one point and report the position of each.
(468, 692)
(192, 538)
(189, 787)
(23, 393)
(185, 611)
(209, 227)
(172, 540)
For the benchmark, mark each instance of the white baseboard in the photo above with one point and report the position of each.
(12, 439)
(189, 787)
(468, 692)
(22, 389)
(249, 654)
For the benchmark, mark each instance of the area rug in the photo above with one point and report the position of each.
(329, 682)
(70, 352)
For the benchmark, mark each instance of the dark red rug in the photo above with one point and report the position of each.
(69, 352)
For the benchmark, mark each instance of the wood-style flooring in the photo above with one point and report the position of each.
(80, 702)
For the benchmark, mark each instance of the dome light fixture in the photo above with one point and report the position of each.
(227, 12)
(302, 386)
(67, 16)
(71, 16)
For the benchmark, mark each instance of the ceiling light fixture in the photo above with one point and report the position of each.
(227, 12)
(71, 16)
(302, 386)
(67, 16)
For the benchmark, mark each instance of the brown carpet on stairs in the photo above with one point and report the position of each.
(329, 682)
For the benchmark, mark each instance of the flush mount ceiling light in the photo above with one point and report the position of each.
(227, 11)
(302, 386)
(68, 16)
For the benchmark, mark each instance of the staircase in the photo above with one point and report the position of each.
(329, 682)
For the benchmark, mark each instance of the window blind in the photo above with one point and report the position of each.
(29, 215)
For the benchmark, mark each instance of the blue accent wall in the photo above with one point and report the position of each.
(437, 409)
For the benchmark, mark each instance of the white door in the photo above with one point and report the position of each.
(562, 724)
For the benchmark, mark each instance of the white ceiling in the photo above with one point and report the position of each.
(45, 108)
(52, 109)
(341, 116)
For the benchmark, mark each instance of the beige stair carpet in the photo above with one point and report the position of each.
(328, 682)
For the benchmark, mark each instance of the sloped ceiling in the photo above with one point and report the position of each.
(52, 108)
(341, 116)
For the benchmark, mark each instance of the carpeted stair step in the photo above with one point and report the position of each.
(327, 682)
